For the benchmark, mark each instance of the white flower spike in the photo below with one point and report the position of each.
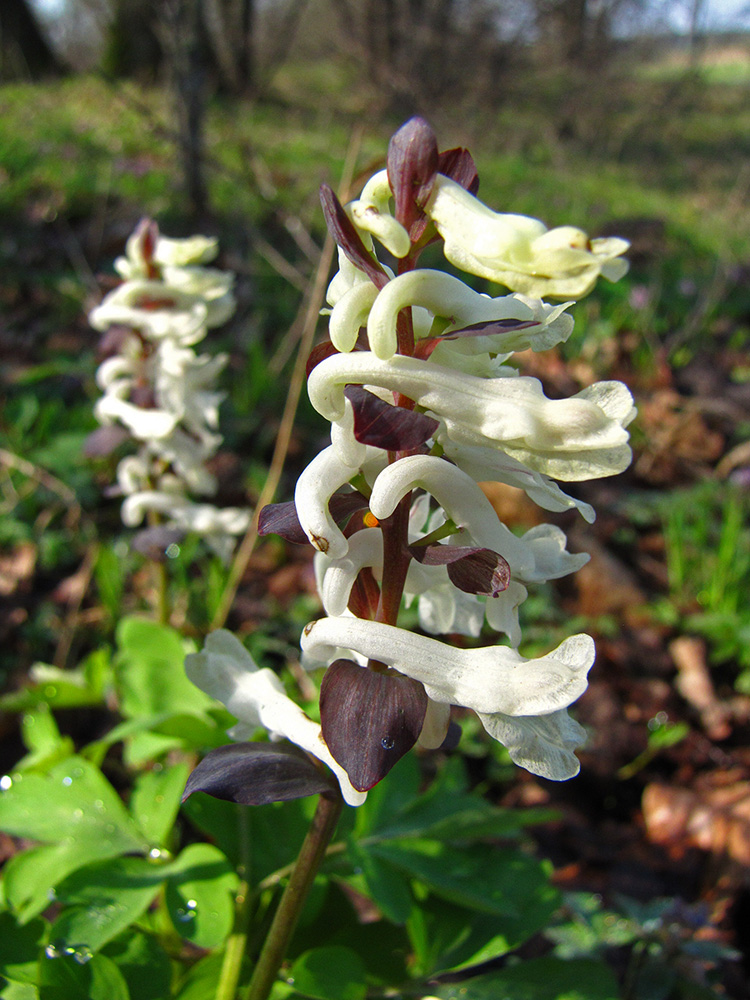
(424, 408)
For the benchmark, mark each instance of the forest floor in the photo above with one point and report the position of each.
(659, 817)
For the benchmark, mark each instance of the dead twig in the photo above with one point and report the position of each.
(309, 309)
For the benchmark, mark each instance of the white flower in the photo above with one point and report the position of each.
(493, 465)
(520, 702)
(371, 214)
(461, 499)
(582, 437)
(442, 295)
(154, 310)
(226, 671)
(315, 487)
(517, 251)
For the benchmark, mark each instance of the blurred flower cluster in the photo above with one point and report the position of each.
(424, 407)
(159, 393)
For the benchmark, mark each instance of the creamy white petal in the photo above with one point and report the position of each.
(135, 506)
(437, 609)
(145, 425)
(371, 214)
(348, 276)
(227, 672)
(382, 226)
(543, 744)
(190, 250)
(444, 609)
(443, 295)
(517, 251)
(154, 309)
(133, 472)
(458, 495)
(435, 725)
(205, 519)
(315, 487)
(569, 439)
(208, 282)
(472, 232)
(502, 611)
(489, 680)
(350, 313)
(338, 575)
(493, 465)
(349, 451)
(115, 369)
(551, 559)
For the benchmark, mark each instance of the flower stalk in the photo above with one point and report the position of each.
(424, 408)
(290, 906)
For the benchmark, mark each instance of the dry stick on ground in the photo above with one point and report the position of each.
(310, 308)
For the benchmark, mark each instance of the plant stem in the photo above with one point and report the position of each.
(161, 582)
(231, 967)
(236, 947)
(293, 899)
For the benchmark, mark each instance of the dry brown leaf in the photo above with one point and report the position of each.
(607, 587)
(713, 816)
(677, 438)
(16, 568)
(696, 687)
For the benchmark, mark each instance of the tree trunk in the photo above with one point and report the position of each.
(24, 51)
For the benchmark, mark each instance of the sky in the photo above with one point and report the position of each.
(720, 14)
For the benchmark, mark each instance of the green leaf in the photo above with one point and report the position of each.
(489, 879)
(53, 687)
(42, 738)
(334, 973)
(150, 671)
(110, 580)
(446, 811)
(446, 937)
(31, 876)
(538, 979)
(386, 887)
(103, 899)
(200, 895)
(382, 946)
(74, 800)
(19, 991)
(20, 948)
(73, 976)
(144, 965)
(194, 732)
(155, 801)
(221, 821)
(200, 982)
(388, 798)
(39, 730)
(276, 832)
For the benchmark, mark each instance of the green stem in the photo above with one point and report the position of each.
(313, 850)
(231, 968)
(163, 609)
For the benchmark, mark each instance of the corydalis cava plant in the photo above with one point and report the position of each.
(424, 406)
(160, 394)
